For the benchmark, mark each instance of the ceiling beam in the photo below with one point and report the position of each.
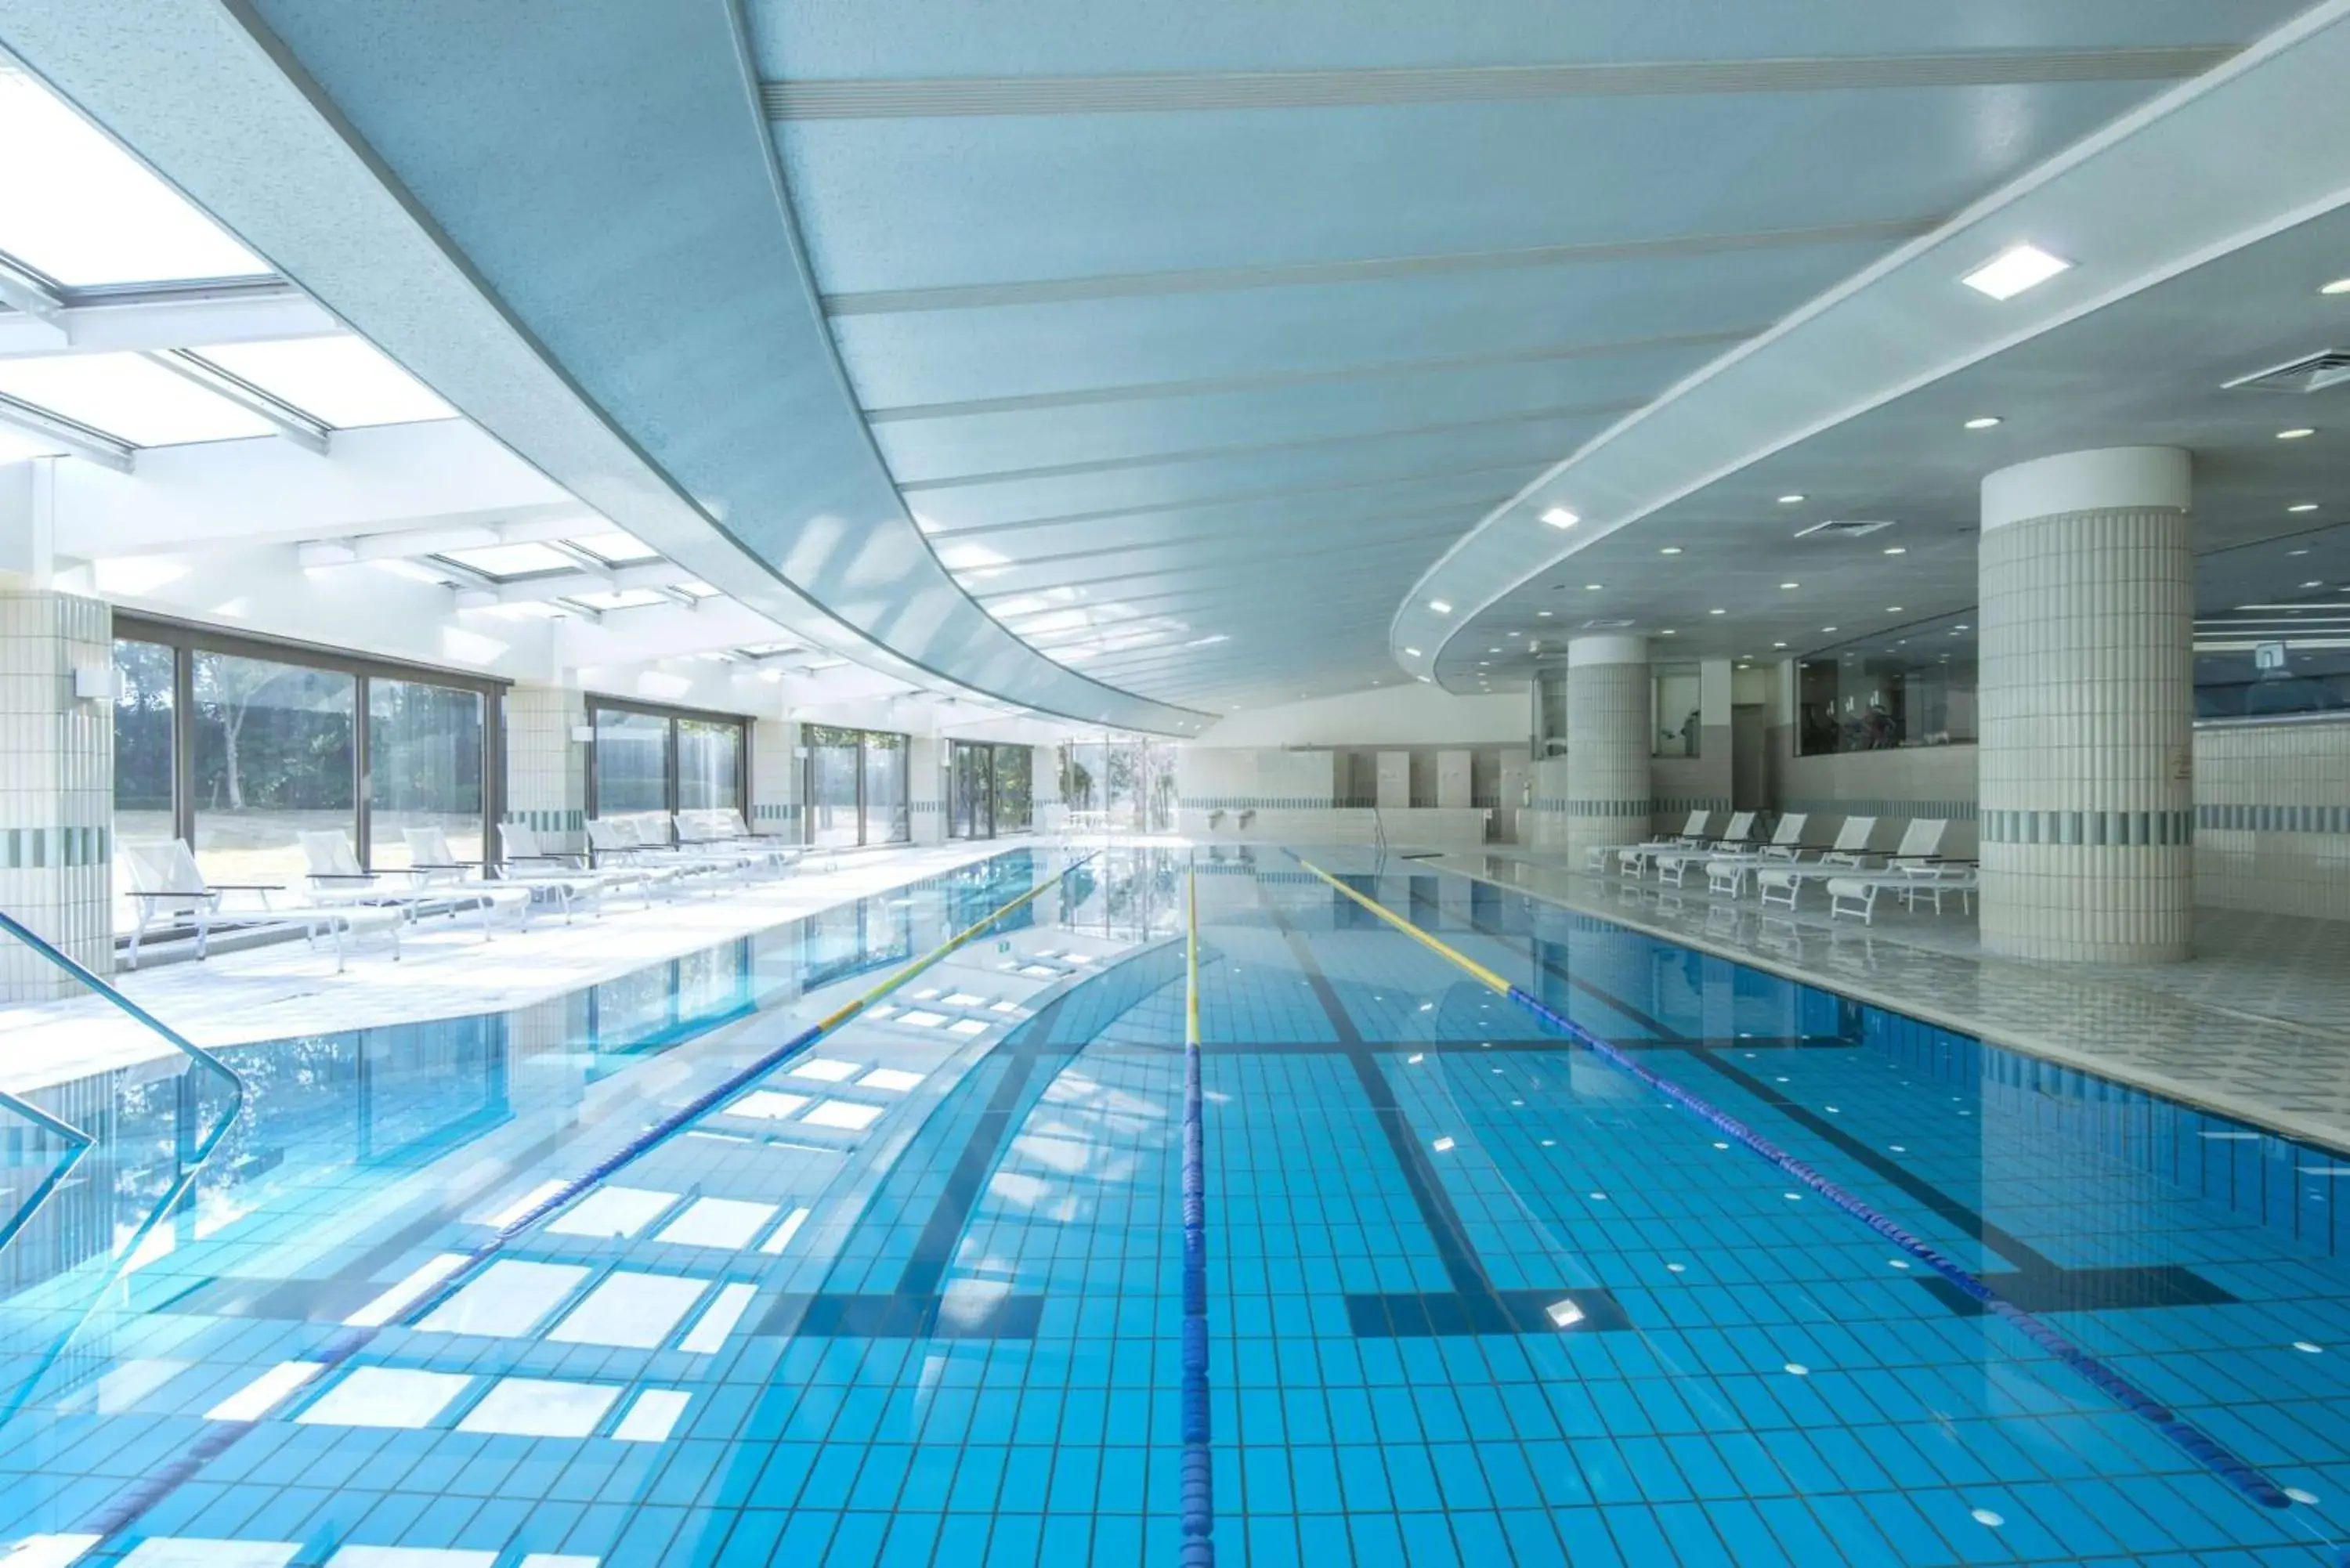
(303, 430)
(99, 448)
(106, 322)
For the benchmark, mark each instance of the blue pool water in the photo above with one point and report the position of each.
(914, 1294)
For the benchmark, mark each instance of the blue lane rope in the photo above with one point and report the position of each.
(127, 1509)
(1199, 1475)
(2198, 1444)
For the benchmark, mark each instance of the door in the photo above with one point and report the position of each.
(1749, 779)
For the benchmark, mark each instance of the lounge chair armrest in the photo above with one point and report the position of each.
(341, 876)
(248, 886)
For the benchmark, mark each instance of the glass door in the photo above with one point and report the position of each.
(971, 789)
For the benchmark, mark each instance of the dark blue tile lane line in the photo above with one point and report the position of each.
(1474, 1304)
(2038, 1284)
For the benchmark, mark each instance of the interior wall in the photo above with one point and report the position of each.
(2272, 818)
(1415, 713)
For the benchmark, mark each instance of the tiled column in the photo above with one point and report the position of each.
(926, 792)
(56, 787)
(1608, 721)
(775, 804)
(546, 770)
(2087, 708)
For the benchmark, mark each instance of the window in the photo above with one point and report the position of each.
(424, 767)
(632, 761)
(885, 811)
(1871, 699)
(855, 787)
(276, 755)
(709, 765)
(237, 745)
(1015, 793)
(1131, 781)
(1678, 714)
(665, 760)
(146, 753)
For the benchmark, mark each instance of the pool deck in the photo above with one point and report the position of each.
(2256, 1025)
(445, 969)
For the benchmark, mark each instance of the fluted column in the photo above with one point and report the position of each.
(2087, 705)
(1608, 724)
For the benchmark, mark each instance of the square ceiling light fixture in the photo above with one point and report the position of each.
(1560, 517)
(2013, 270)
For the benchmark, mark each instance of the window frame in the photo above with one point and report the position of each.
(187, 638)
(805, 754)
(669, 714)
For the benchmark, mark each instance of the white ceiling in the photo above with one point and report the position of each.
(1204, 346)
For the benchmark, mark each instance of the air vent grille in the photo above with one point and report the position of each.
(1605, 625)
(1848, 529)
(2311, 373)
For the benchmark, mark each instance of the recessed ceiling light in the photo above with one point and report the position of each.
(1983, 421)
(2339, 285)
(1560, 517)
(1793, 500)
(1411, 653)
(1895, 550)
(2298, 432)
(2013, 270)
(1778, 645)
(2303, 551)
(1827, 628)
(1670, 550)
(1541, 615)
(1668, 631)
(1594, 588)
(1791, 585)
(1892, 609)
(2312, 584)
(1717, 612)
(1960, 627)
(2302, 507)
(1492, 650)
(1440, 606)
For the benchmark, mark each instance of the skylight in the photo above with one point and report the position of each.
(512, 560)
(616, 547)
(78, 209)
(341, 381)
(127, 396)
(695, 590)
(626, 598)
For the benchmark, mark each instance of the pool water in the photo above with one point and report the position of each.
(913, 1294)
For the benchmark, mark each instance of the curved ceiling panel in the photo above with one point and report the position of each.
(2145, 199)
(601, 173)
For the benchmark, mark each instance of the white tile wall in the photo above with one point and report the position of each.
(2272, 818)
(546, 770)
(2087, 705)
(56, 788)
(1608, 798)
(774, 776)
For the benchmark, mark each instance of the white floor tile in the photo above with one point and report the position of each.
(769, 1105)
(509, 1298)
(630, 1310)
(540, 1408)
(781, 1237)
(195, 1551)
(718, 1222)
(709, 1333)
(386, 1397)
(409, 1290)
(844, 1114)
(612, 1211)
(264, 1392)
(653, 1416)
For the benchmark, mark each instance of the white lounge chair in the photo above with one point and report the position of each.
(170, 889)
(1728, 873)
(623, 843)
(441, 879)
(1631, 859)
(726, 831)
(1672, 864)
(1921, 845)
(529, 860)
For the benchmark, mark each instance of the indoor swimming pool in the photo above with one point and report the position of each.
(646, 1274)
